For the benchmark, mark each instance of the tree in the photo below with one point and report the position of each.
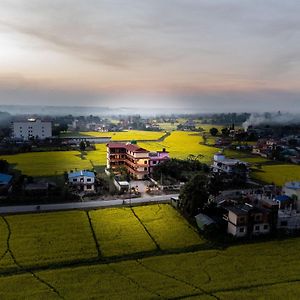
(225, 131)
(4, 166)
(82, 146)
(194, 195)
(213, 131)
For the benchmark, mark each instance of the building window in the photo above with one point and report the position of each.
(89, 180)
(145, 169)
(145, 162)
(75, 180)
(88, 187)
(266, 227)
(242, 229)
(256, 228)
(154, 162)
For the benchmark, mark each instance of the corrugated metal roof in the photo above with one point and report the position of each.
(81, 173)
(203, 220)
(5, 178)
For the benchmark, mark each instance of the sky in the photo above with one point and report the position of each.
(208, 56)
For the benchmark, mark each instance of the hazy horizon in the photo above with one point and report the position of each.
(206, 56)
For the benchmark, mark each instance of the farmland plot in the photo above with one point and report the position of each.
(181, 144)
(119, 232)
(168, 227)
(278, 174)
(40, 239)
(47, 163)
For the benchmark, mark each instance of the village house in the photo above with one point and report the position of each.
(5, 183)
(221, 164)
(137, 161)
(82, 180)
(246, 220)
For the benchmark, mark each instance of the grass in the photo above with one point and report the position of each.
(51, 238)
(119, 232)
(168, 227)
(278, 173)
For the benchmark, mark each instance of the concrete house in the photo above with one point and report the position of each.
(137, 161)
(32, 129)
(82, 180)
(225, 165)
(246, 220)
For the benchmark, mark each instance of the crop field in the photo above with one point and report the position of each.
(167, 227)
(47, 163)
(267, 270)
(119, 232)
(180, 144)
(127, 135)
(122, 231)
(49, 238)
(278, 173)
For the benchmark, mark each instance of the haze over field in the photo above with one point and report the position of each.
(190, 55)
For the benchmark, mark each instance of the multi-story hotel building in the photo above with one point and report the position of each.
(138, 161)
(32, 129)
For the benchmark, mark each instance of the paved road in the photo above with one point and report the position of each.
(83, 205)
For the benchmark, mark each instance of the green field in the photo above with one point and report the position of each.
(166, 225)
(119, 232)
(278, 173)
(267, 270)
(49, 238)
(127, 135)
(180, 144)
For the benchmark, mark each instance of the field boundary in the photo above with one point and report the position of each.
(42, 281)
(146, 229)
(94, 235)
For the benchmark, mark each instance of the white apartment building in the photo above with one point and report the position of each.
(32, 129)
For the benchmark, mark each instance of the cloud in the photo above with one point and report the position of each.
(231, 51)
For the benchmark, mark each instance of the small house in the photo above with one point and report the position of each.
(82, 180)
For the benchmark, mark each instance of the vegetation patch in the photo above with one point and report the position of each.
(119, 232)
(181, 144)
(41, 239)
(168, 227)
(127, 135)
(278, 173)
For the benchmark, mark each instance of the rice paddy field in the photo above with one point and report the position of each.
(278, 173)
(180, 144)
(47, 163)
(51, 238)
(127, 135)
(61, 260)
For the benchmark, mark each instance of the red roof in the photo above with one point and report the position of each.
(129, 147)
